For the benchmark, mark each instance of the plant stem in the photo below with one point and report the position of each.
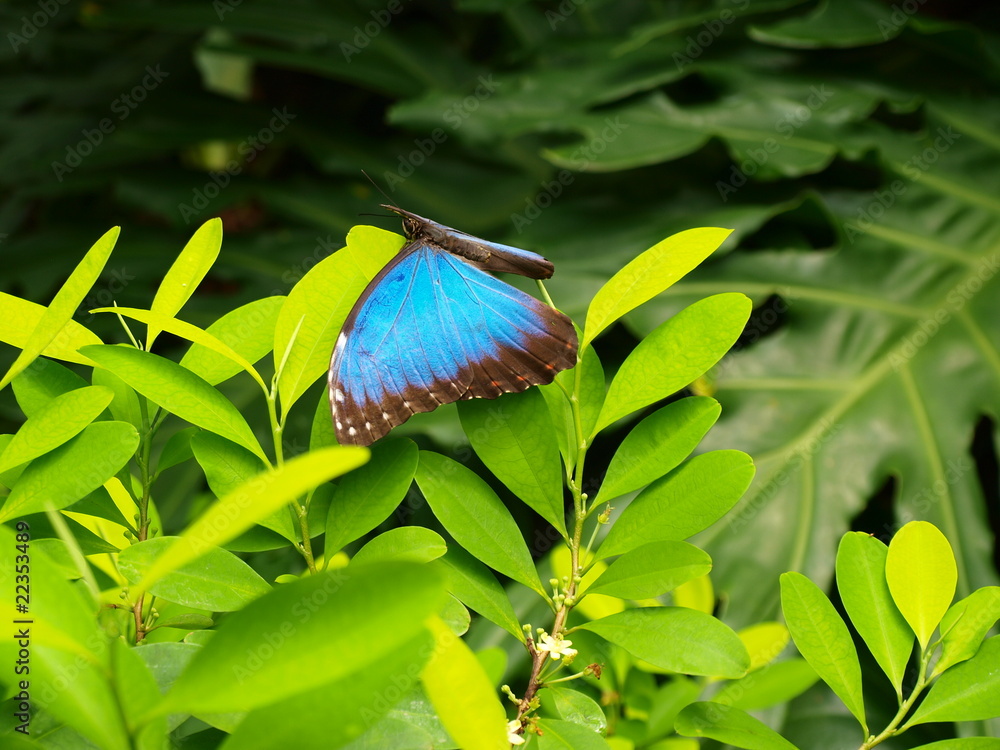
(918, 688)
(575, 482)
(298, 513)
(143, 458)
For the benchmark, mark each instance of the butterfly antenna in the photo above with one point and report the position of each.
(375, 184)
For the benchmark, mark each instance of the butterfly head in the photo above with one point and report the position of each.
(413, 225)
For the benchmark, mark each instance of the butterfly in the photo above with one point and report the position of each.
(433, 327)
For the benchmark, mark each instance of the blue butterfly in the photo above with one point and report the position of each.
(433, 327)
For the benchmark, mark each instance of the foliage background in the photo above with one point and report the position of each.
(852, 144)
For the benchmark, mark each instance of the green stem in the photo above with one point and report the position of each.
(298, 513)
(890, 730)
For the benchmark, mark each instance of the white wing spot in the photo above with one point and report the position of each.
(339, 425)
(385, 416)
(352, 432)
(368, 425)
(339, 395)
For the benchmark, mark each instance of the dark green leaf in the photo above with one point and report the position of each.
(652, 570)
(729, 725)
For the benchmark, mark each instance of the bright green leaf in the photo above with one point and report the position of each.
(218, 581)
(473, 584)
(472, 513)
(652, 570)
(52, 332)
(73, 470)
(306, 634)
(764, 642)
(247, 330)
(964, 743)
(19, 317)
(60, 419)
(969, 691)
(125, 405)
(675, 638)
(186, 273)
(730, 726)
(965, 625)
(658, 444)
(406, 544)
(649, 274)
(179, 391)
(675, 354)
(922, 575)
(137, 694)
(462, 694)
(689, 499)
(42, 381)
(863, 588)
(577, 708)
(256, 499)
(823, 640)
(567, 735)
(366, 497)
(514, 437)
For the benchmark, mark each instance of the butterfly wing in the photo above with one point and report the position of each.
(431, 329)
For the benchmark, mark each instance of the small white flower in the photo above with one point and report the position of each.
(557, 647)
(512, 736)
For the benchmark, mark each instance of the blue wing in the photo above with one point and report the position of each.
(431, 329)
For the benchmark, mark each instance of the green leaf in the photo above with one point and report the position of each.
(658, 444)
(823, 640)
(252, 501)
(405, 544)
(218, 581)
(690, 498)
(306, 634)
(248, 330)
(922, 575)
(964, 743)
(73, 470)
(186, 273)
(668, 702)
(462, 694)
(125, 405)
(675, 354)
(53, 321)
(833, 24)
(567, 735)
(592, 390)
(649, 274)
(179, 391)
(60, 419)
(361, 700)
(137, 694)
(652, 570)
(227, 466)
(965, 625)
(41, 382)
(159, 322)
(177, 449)
(861, 581)
(514, 437)
(188, 621)
(472, 513)
(730, 726)
(366, 497)
(969, 691)
(578, 708)
(65, 640)
(320, 302)
(473, 584)
(769, 686)
(19, 318)
(457, 618)
(675, 638)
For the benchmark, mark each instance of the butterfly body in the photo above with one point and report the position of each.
(433, 328)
